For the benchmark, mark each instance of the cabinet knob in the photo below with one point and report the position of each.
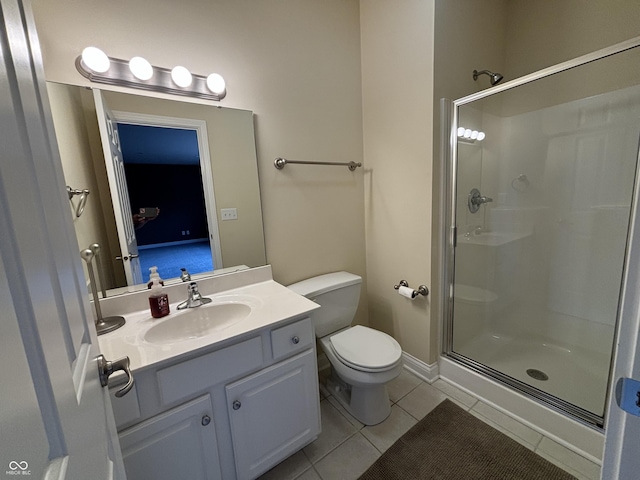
(206, 420)
(236, 405)
(295, 340)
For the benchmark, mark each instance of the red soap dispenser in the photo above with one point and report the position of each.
(158, 300)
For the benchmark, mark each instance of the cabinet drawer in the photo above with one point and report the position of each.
(292, 338)
(186, 378)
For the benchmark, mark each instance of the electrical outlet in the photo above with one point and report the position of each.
(229, 213)
(182, 232)
(188, 233)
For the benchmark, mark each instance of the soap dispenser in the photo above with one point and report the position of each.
(158, 300)
(153, 273)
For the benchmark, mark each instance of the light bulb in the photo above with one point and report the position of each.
(140, 68)
(95, 59)
(474, 134)
(467, 133)
(481, 136)
(181, 76)
(216, 84)
(460, 131)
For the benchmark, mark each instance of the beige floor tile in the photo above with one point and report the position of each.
(356, 423)
(335, 430)
(402, 385)
(310, 474)
(569, 458)
(527, 434)
(383, 435)
(456, 393)
(349, 460)
(421, 400)
(289, 469)
(561, 465)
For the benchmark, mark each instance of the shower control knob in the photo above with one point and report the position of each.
(206, 420)
(237, 405)
(295, 340)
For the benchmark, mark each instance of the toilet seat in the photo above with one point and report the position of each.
(365, 349)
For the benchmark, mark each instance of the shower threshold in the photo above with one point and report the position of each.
(576, 412)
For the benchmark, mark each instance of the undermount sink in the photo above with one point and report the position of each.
(194, 323)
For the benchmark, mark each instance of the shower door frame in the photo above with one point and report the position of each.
(449, 153)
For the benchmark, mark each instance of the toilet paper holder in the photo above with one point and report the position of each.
(422, 289)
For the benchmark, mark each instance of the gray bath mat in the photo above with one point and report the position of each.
(450, 443)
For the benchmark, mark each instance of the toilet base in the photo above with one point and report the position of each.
(369, 405)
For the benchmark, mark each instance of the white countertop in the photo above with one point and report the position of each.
(271, 303)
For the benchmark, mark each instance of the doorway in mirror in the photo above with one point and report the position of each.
(164, 181)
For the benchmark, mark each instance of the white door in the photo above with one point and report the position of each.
(621, 460)
(119, 190)
(56, 418)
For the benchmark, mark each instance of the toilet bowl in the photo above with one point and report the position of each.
(363, 360)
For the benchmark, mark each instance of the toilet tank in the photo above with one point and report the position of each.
(337, 293)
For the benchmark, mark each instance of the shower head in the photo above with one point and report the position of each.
(495, 77)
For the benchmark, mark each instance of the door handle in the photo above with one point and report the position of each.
(106, 368)
(131, 256)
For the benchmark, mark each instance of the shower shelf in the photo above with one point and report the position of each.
(491, 239)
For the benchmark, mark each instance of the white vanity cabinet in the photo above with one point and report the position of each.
(273, 413)
(180, 443)
(231, 412)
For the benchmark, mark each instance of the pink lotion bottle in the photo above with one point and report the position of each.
(158, 300)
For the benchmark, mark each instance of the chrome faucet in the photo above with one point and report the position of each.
(185, 276)
(194, 298)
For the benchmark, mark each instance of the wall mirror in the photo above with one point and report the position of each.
(195, 163)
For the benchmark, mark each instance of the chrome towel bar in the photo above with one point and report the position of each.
(279, 163)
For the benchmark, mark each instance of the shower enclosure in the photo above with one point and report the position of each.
(542, 177)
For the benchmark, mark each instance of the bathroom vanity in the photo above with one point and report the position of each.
(222, 391)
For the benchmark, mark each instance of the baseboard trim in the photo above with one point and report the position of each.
(428, 373)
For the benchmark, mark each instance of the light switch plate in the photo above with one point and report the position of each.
(229, 213)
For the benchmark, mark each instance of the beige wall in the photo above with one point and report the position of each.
(546, 32)
(295, 63)
(397, 86)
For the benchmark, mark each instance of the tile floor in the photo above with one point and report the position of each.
(346, 448)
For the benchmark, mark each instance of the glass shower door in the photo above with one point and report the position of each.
(544, 186)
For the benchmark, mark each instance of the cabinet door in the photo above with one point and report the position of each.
(180, 443)
(274, 413)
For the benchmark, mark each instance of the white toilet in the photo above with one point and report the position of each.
(363, 360)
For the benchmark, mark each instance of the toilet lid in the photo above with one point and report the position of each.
(363, 347)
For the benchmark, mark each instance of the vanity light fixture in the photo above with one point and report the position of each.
(95, 65)
(470, 136)
(216, 83)
(95, 60)
(141, 68)
(181, 76)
